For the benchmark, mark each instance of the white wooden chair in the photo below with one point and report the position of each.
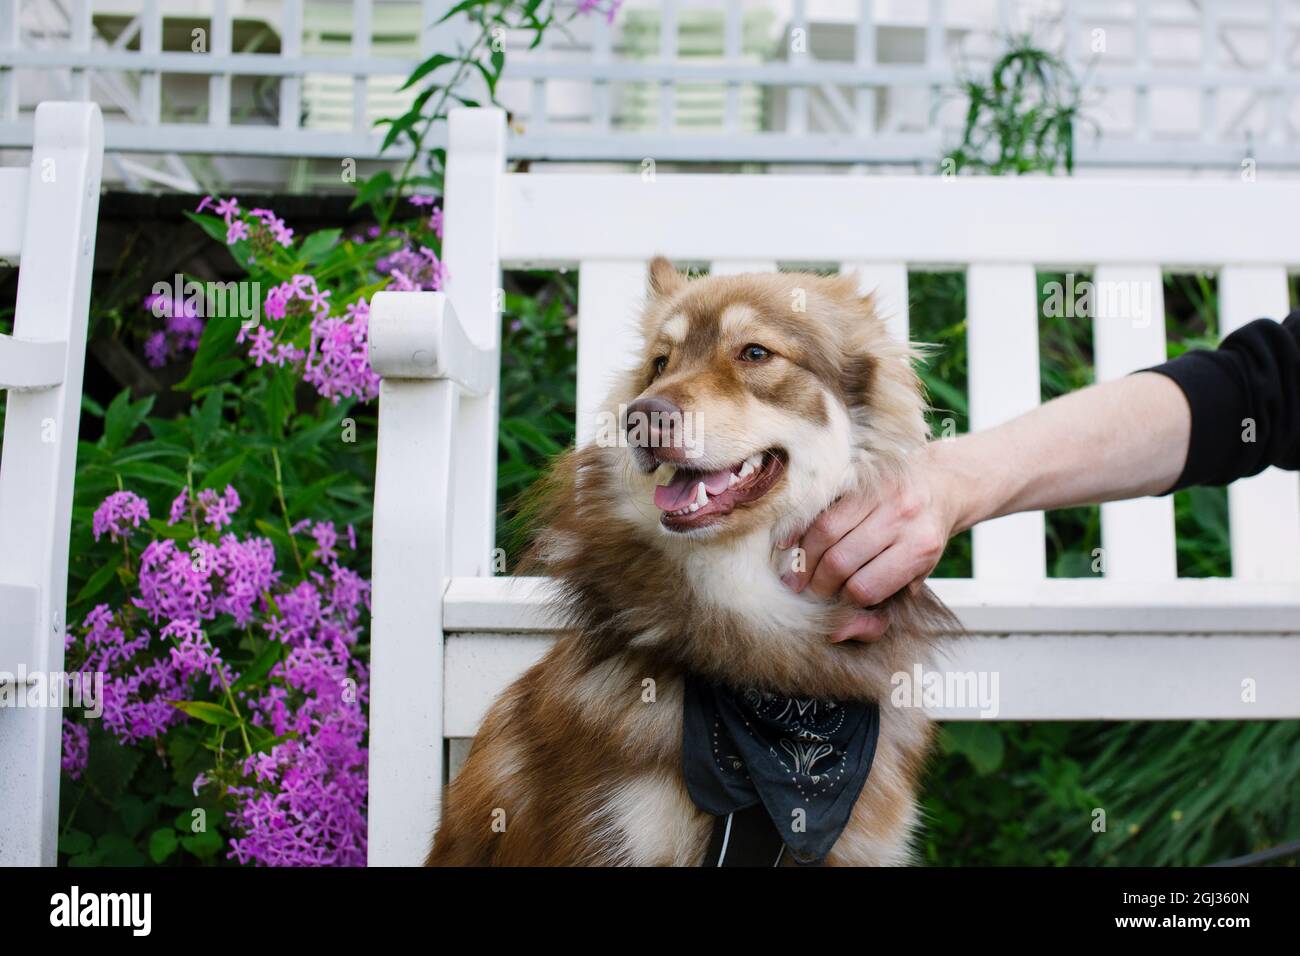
(1138, 643)
(47, 223)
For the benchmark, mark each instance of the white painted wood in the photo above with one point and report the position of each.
(472, 218)
(667, 54)
(479, 667)
(435, 488)
(20, 613)
(1047, 606)
(150, 45)
(417, 335)
(887, 282)
(1137, 536)
(38, 460)
(79, 30)
(864, 57)
(736, 267)
(1038, 677)
(413, 506)
(1263, 511)
(219, 83)
(920, 220)
(610, 294)
(1002, 356)
(28, 364)
(361, 19)
(13, 212)
(291, 49)
(8, 77)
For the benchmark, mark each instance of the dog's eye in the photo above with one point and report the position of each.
(754, 353)
(661, 363)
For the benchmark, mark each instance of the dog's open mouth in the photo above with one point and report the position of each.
(694, 498)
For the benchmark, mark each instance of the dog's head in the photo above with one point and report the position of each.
(758, 400)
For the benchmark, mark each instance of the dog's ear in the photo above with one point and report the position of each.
(664, 279)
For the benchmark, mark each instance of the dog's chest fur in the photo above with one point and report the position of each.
(579, 763)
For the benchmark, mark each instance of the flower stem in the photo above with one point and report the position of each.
(284, 510)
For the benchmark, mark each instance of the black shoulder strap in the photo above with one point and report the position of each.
(745, 838)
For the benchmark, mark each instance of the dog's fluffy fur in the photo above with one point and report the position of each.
(579, 761)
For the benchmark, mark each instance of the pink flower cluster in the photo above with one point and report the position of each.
(337, 359)
(237, 222)
(421, 200)
(301, 801)
(119, 515)
(413, 270)
(212, 508)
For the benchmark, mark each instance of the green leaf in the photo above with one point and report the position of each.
(123, 417)
(462, 7)
(260, 666)
(75, 842)
(162, 844)
(153, 473)
(221, 476)
(372, 188)
(427, 67)
(315, 246)
(207, 712)
(532, 436)
(99, 580)
(213, 362)
(212, 225)
(207, 418)
(204, 845)
(980, 743)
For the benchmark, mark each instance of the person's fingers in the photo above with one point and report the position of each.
(831, 525)
(865, 626)
(851, 552)
(892, 570)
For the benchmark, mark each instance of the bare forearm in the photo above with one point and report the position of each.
(1122, 439)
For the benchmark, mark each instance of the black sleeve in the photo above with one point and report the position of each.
(1253, 376)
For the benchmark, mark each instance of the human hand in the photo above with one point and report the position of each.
(871, 545)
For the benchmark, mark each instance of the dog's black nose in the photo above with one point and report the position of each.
(655, 423)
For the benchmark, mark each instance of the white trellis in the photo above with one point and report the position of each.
(47, 224)
(1186, 84)
(1139, 643)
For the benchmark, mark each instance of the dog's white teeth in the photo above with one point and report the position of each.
(701, 497)
(755, 460)
(732, 480)
(746, 469)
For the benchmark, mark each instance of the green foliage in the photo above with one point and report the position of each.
(1021, 119)
(538, 385)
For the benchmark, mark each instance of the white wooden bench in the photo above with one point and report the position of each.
(1138, 643)
(47, 224)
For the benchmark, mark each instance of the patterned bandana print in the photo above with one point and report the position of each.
(805, 760)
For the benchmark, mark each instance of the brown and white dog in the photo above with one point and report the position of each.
(798, 395)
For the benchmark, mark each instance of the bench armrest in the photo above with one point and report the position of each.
(416, 335)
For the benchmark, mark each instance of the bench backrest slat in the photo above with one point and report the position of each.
(1002, 358)
(1263, 511)
(48, 215)
(1137, 535)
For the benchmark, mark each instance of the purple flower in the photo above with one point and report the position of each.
(119, 515)
(236, 230)
(227, 208)
(76, 748)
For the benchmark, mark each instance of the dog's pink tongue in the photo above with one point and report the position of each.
(681, 491)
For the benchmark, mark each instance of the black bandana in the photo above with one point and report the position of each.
(743, 748)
